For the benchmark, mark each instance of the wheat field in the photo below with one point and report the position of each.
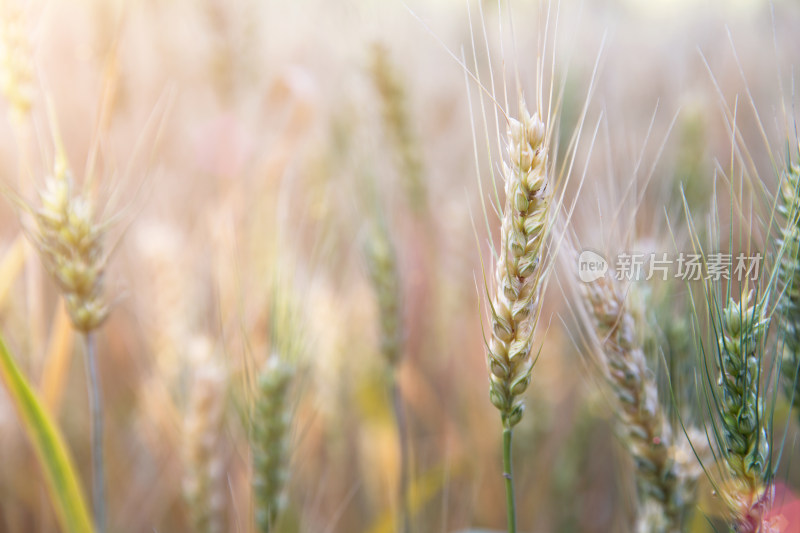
(415, 267)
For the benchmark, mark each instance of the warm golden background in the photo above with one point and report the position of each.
(238, 139)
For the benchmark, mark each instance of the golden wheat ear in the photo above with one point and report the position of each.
(647, 434)
(71, 242)
(71, 245)
(517, 269)
(527, 196)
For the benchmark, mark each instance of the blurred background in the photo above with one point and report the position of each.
(241, 139)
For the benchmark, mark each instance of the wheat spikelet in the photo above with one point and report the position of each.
(270, 441)
(647, 434)
(517, 269)
(205, 481)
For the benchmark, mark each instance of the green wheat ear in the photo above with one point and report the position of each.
(273, 412)
(788, 306)
(385, 277)
(743, 425)
(271, 433)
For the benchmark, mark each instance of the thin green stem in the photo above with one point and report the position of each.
(400, 419)
(96, 406)
(511, 509)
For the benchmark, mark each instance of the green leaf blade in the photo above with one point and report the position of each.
(59, 471)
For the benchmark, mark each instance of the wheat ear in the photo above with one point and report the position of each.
(788, 306)
(746, 447)
(70, 243)
(270, 441)
(517, 269)
(205, 481)
(385, 276)
(518, 275)
(647, 434)
(16, 60)
(397, 124)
